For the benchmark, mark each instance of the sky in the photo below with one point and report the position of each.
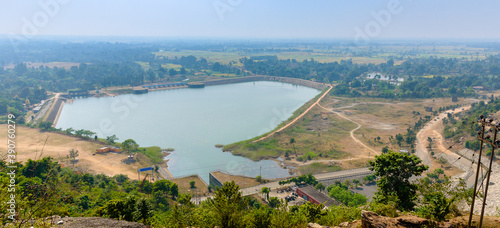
(292, 19)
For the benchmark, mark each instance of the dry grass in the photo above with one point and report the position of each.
(29, 144)
(242, 181)
(322, 132)
(201, 189)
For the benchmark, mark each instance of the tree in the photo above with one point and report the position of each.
(73, 154)
(274, 202)
(385, 149)
(355, 182)
(369, 178)
(111, 139)
(144, 210)
(440, 197)
(174, 190)
(320, 186)
(228, 205)
(292, 141)
(130, 145)
(258, 178)
(45, 125)
(172, 72)
(192, 183)
(394, 170)
(265, 190)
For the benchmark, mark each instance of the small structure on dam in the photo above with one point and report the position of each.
(196, 85)
(139, 90)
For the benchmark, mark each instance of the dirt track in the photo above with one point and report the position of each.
(297, 118)
(353, 130)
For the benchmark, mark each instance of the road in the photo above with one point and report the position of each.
(319, 177)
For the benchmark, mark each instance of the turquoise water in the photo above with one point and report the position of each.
(192, 121)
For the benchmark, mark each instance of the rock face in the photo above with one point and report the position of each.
(85, 222)
(373, 220)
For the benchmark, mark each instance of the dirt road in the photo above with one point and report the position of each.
(297, 118)
(353, 130)
(430, 130)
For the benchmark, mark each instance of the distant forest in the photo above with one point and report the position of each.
(105, 64)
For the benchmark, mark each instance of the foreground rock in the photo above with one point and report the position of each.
(97, 222)
(373, 220)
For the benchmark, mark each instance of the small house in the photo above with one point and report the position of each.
(106, 149)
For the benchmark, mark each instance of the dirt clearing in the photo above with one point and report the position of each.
(29, 144)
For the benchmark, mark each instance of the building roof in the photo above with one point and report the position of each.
(318, 196)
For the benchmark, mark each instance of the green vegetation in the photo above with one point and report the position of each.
(303, 179)
(317, 167)
(465, 127)
(343, 195)
(45, 188)
(394, 170)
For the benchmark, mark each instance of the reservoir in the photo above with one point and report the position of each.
(192, 121)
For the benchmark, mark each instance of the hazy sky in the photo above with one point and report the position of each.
(254, 18)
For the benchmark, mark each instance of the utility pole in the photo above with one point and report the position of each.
(487, 125)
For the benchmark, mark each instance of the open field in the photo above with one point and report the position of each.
(338, 53)
(341, 133)
(65, 65)
(227, 57)
(29, 144)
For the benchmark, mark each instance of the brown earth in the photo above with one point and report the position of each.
(242, 181)
(201, 188)
(30, 142)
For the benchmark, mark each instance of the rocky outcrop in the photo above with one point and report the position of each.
(373, 220)
(96, 222)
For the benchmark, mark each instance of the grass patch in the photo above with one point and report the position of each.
(256, 151)
(153, 153)
(317, 167)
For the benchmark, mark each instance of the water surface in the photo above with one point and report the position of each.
(192, 121)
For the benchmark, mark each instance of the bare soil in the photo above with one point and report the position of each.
(242, 181)
(201, 189)
(30, 142)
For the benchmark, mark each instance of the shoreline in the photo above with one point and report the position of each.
(295, 81)
(164, 168)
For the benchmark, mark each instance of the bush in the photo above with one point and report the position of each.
(389, 209)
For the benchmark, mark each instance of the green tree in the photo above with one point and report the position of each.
(130, 145)
(143, 210)
(274, 202)
(394, 171)
(73, 154)
(320, 186)
(292, 141)
(192, 184)
(265, 190)
(385, 149)
(228, 205)
(111, 139)
(174, 190)
(439, 198)
(258, 178)
(46, 125)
